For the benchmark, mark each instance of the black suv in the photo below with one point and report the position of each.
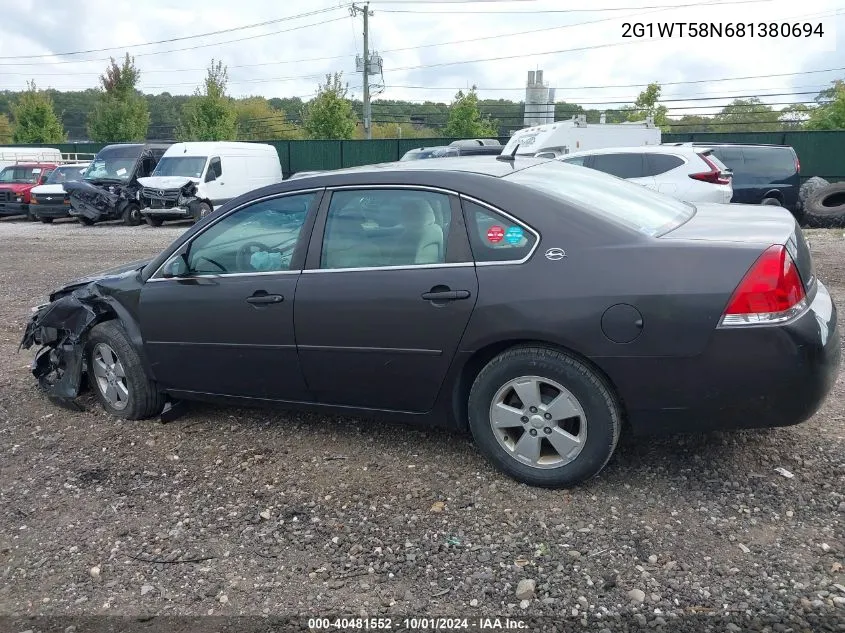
(762, 174)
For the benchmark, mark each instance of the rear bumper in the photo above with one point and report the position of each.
(13, 208)
(752, 377)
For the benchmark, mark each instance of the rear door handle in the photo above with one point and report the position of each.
(446, 295)
(264, 299)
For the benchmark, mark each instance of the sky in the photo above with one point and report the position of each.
(431, 49)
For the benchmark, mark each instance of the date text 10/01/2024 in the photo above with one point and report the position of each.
(761, 30)
(417, 624)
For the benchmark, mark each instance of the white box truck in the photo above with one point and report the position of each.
(562, 137)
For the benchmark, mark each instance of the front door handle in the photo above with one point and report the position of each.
(446, 295)
(264, 299)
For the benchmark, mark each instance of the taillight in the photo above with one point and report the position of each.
(714, 176)
(770, 292)
(797, 165)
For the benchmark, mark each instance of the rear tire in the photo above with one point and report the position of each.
(526, 442)
(47, 220)
(85, 221)
(152, 221)
(116, 375)
(771, 202)
(826, 207)
(132, 215)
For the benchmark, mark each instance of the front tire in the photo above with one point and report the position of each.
(85, 221)
(543, 417)
(116, 375)
(132, 215)
(153, 221)
(201, 210)
(46, 220)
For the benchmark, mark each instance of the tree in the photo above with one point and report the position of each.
(748, 115)
(209, 115)
(646, 106)
(329, 115)
(465, 120)
(34, 117)
(5, 129)
(121, 113)
(830, 113)
(400, 130)
(257, 120)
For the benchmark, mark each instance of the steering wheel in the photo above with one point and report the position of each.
(243, 258)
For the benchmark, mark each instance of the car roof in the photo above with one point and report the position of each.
(641, 149)
(729, 144)
(485, 165)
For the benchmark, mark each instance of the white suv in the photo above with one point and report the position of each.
(691, 174)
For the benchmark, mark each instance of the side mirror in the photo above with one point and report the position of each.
(176, 267)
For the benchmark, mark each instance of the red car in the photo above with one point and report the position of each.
(16, 181)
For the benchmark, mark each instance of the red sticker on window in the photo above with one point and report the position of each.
(495, 234)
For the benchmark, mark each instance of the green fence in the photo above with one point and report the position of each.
(821, 153)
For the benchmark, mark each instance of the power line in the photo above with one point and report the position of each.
(585, 10)
(176, 39)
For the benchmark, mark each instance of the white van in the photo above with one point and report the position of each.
(554, 140)
(12, 155)
(192, 179)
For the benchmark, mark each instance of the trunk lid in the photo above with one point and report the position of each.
(757, 225)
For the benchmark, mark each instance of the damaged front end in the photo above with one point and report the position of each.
(168, 198)
(60, 328)
(99, 201)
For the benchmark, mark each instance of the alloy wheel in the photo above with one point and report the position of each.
(110, 376)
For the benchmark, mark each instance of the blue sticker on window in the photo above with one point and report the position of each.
(513, 235)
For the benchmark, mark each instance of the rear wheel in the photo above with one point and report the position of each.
(543, 417)
(85, 221)
(153, 221)
(132, 215)
(46, 220)
(117, 377)
(772, 202)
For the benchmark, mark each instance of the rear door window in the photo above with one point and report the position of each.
(620, 165)
(657, 164)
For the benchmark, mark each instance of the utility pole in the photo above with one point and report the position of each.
(354, 10)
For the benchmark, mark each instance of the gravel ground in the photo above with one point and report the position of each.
(243, 512)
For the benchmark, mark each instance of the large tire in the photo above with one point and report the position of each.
(123, 388)
(84, 221)
(153, 221)
(810, 187)
(588, 430)
(826, 207)
(132, 215)
(200, 210)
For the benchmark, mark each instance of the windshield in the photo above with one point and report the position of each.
(65, 174)
(431, 152)
(21, 175)
(617, 200)
(187, 166)
(116, 163)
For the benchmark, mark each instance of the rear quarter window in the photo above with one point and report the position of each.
(495, 238)
(657, 164)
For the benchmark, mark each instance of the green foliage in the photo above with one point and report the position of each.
(748, 115)
(34, 117)
(329, 115)
(830, 113)
(466, 120)
(646, 105)
(5, 130)
(121, 113)
(257, 120)
(209, 115)
(400, 130)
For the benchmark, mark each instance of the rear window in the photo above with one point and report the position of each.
(623, 203)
